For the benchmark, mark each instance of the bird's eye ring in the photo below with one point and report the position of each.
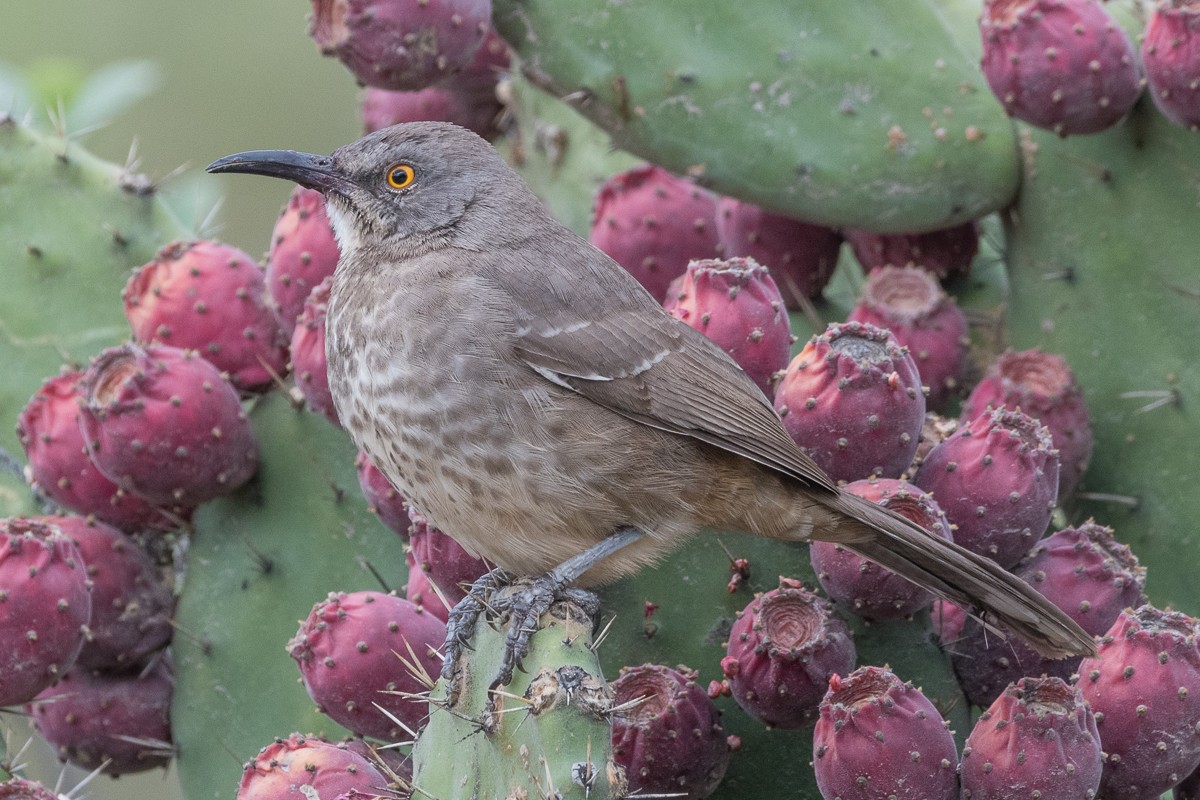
(400, 176)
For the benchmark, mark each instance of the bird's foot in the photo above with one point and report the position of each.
(462, 618)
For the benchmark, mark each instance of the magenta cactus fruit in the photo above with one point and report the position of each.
(402, 45)
(131, 607)
(948, 621)
(800, 255)
(667, 733)
(1086, 572)
(1038, 739)
(59, 465)
(852, 400)
(1171, 60)
(357, 654)
(1043, 386)
(783, 648)
(382, 498)
(880, 737)
(442, 559)
(945, 253)
(21, 789)
(124, 718)
(910, 303)
(211, 298)
(164, 424)
(736, 303)
(45, 604)
(303, 253)
(653, 223)
(1062, 65)
(862, 586)
(308, 353)
(420, 591)
(303, 766)
(996, 478)
(1144, 686)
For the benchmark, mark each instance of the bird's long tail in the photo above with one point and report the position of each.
(977, 584)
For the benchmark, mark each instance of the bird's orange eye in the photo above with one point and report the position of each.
(400, 176)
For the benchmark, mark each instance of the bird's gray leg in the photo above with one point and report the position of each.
(525, 606)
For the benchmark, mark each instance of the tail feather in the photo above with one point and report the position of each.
(977, 584)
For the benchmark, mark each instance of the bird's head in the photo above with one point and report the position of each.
(410, 185)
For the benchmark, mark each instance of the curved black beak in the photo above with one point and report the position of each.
(306, 169)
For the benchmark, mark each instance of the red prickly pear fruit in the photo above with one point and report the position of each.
(910, 303)
(1038, 739)
(164, 424)
(354, 652)
(800, 255)
(120, 722)
(783, 648)
(308, 353)
(382, 498)
(948, 621)
(131, 607)
(862, 586)
(21, 789)
(420, 591)
(1144, 686)
(880, 737)
(303, 253)
(1043, 386)
(996, 478)
(653, 223)
(45, 604)
(304, 766)
(1062, 65)
(402, 45)
(667, 733)
(946, 253)
(852, 400)
(1171, 60)
(209, 297)
(59, 465)
(1086, 572)
(736, 303)
(442, 559)
(984, 663)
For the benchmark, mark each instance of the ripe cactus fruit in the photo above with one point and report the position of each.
(164, 424)
(1171, 60)
(948, 621)
(736, 303)
(801, 256)
(403, 44)
(301, 767)
(946, 252)
(421, 592)
(382, 498)
(59, 465)
(1043, 386)
(442, 559)
(45, 602)
(862, 586)
(667, 733)
(131, 608)
(303, 253)
(209, 297)
(308, 353)
(123, 719)
(21, 789)
(996, 478)
(352, 652)
(783, 648)
(852, 400)
(1038, 739)
(910, 303)
(1062, 65)
(880, 737)
(653, 223)
(1144, 686)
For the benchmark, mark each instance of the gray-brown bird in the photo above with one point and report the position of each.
(529, 396)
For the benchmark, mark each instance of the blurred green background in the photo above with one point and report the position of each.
(229, 77)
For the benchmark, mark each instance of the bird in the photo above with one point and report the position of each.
(535, 402)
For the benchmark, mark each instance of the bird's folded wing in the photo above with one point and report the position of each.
(652, 369)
